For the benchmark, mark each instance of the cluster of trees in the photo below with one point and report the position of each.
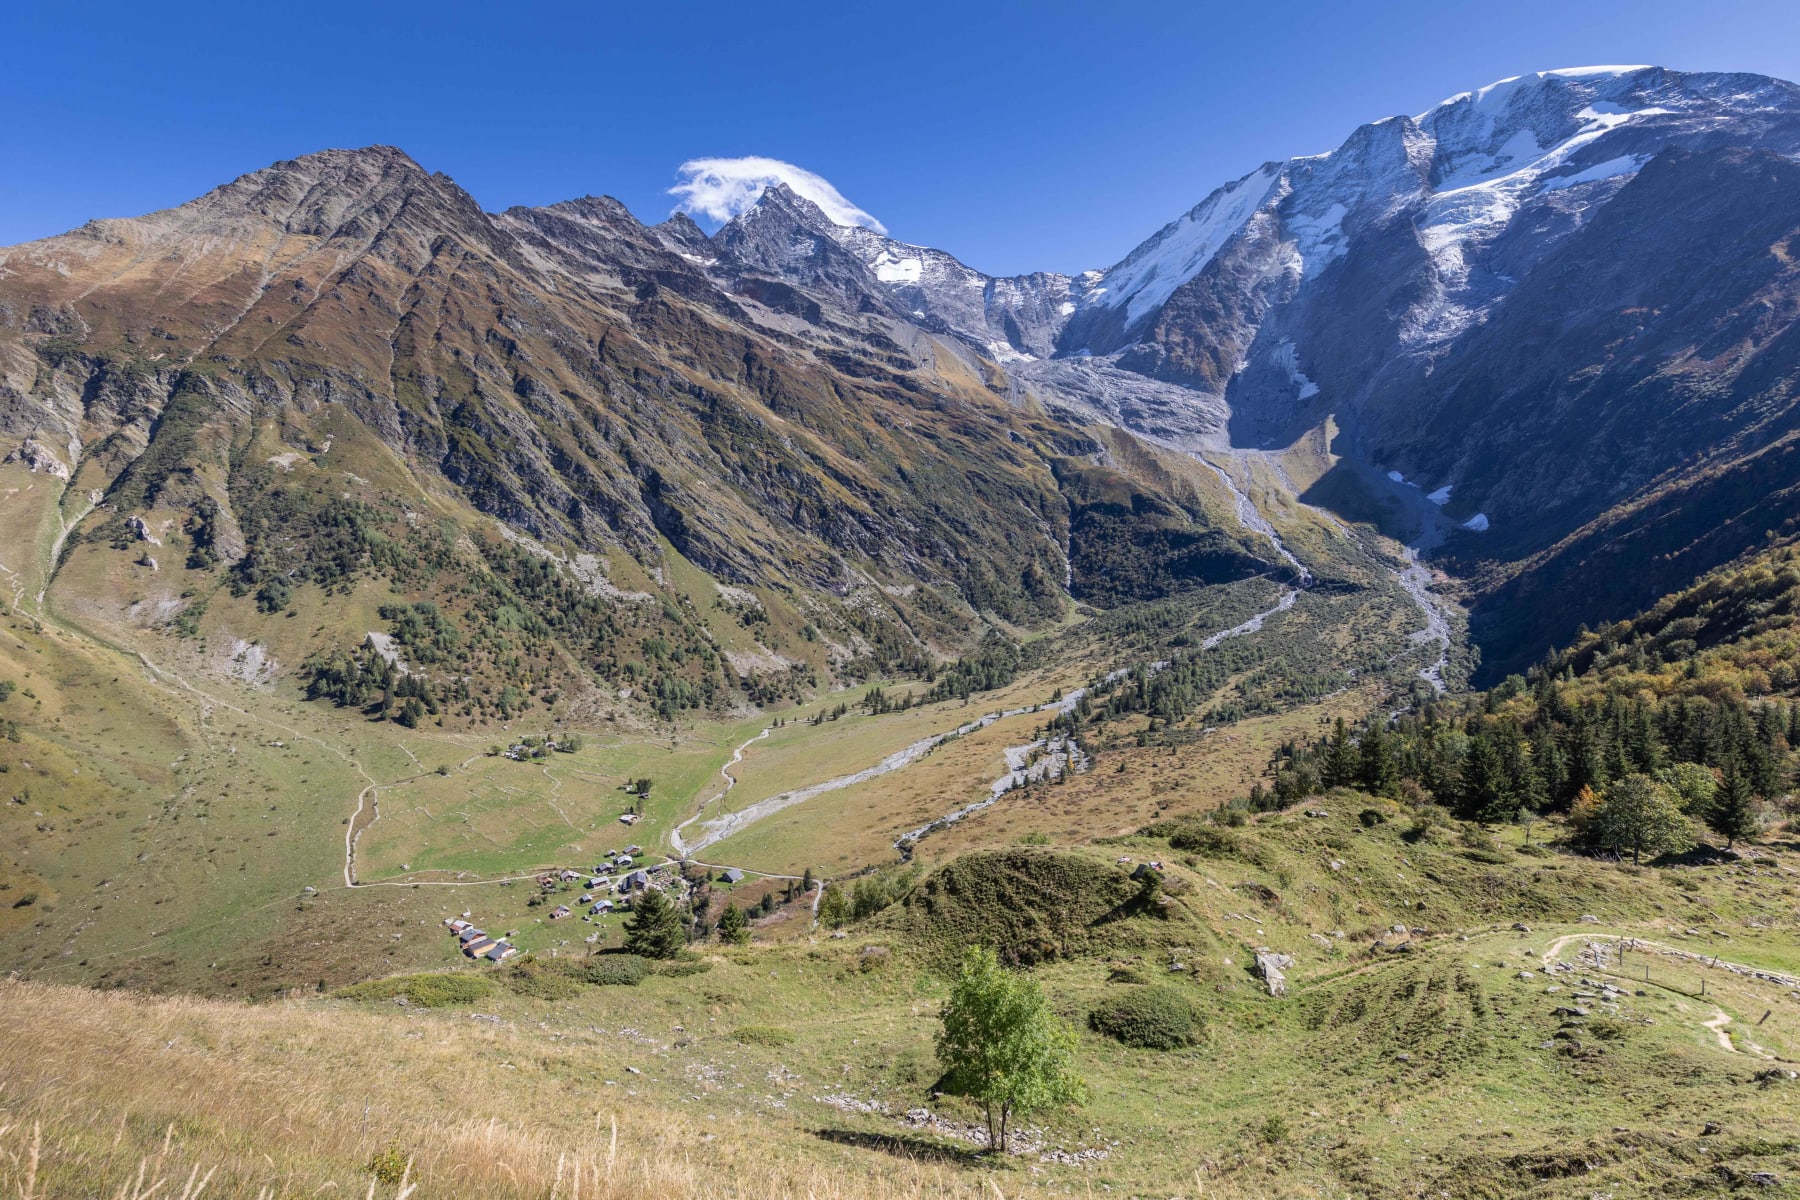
(870, 894)
(994, 664)
(366, 680)
(1519, 751)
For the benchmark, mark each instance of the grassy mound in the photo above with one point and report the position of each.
(1029, 905)
(1150, 1018)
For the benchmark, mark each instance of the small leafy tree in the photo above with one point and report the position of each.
(1637, 814)
(734, 926)
(1694, 785)
(1002, 1047)
(654, 929)
(834, 907)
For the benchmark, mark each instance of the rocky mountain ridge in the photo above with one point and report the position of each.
(1558, 312)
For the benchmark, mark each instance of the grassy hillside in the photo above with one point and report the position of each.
(1398, 1062)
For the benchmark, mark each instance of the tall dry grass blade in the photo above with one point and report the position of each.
(191, 1192)
(406, 1188)
(556, 1184)
(31, 1166)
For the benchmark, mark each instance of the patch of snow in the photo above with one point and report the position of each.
(1628, 164)
(1287, 357)
(1396, 476)
(1004, 354)
(1478, 523)
(1440, 497)
(1318, 238)
(1182, 248)
(891, 268)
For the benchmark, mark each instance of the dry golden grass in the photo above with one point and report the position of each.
(118, 1095)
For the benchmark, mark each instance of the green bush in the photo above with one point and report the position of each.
(1208, 840)
(607, 970)
(426, 991)
(540, 979)
(439, 991)
(1371, 817)
(389, 1166)
(764, 1035)
(1152, 1018)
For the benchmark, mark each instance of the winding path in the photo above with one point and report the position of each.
(1716, 1025)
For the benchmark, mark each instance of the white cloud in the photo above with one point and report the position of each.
(721, 188)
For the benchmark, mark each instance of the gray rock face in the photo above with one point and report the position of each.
(1272, 969)
(1014, 318)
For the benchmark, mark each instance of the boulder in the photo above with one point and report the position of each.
(1272, 969)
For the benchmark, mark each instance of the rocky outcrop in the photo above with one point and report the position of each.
(1272, 969)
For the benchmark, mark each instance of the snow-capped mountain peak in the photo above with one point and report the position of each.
(1464, 170)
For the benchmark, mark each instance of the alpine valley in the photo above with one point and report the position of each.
(1346, 654)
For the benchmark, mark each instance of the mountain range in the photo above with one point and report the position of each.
(1547, 331)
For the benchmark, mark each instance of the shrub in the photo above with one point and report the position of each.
(615, 969)
(426, 991)
(389, 1166)
(764, 1035)
(1207, 840)
(440, 991)
(1371, 817)
(1152, 1018)
(533, 977)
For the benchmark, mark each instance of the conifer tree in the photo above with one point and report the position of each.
(1733, 813)
(654, 928)
(734, 927)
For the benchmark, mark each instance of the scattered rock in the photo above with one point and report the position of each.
(1521, 927)
(1272, 969)
(1711, 1129)
(1589, 919)
(141, 527)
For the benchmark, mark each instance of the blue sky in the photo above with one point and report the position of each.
(1017, 136)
